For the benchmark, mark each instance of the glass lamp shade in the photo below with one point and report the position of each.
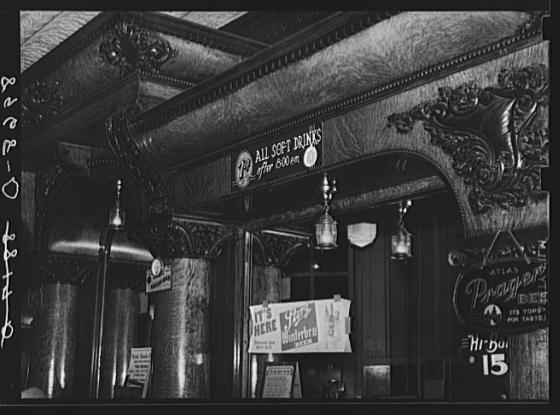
(325, 232)
(401, 245)
(116, 218)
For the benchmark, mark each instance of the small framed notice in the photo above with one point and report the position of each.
(281, 380)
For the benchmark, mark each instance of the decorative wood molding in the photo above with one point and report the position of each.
(134, 48)
(275, 248)
(140, 169)
(529, 33)
(105, 21)
(472, 258)
(183, 238)
(496, 136)
(40, 101)
(66, 269)
(374, 198)
(269, 61)
(127, 275)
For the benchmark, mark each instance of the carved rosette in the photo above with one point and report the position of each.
(40, 101)
(497, 136)
(132, 48)
(126, 275)
(472, 258)
(66, 269)
(183, 238)
(139, 168)
(276, 249)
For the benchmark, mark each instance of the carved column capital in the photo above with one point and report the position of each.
(184, 238)
(127, 275)
(497, 136)
(67, 269)
(272, 248)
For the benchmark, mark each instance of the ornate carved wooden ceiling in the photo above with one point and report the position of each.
(42, 31)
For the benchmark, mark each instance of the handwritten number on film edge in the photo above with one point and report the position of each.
(7, 329)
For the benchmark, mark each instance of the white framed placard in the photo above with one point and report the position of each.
(281, 380)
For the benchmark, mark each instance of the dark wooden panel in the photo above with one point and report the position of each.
(222, 324)
(180, 333)
(52, 360)
(370, 266)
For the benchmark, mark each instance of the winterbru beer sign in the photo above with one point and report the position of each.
(507, 296)
(301, 327)
(281, 156)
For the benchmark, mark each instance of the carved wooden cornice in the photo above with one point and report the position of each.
(139, 168)
(276, 248)
(472, 258)
(530, 32)
(106, 21)
(40, 101)
(134, 48)
(269, 63)
(497, 136)
(183, 238)
(126, 275)
(66, 269)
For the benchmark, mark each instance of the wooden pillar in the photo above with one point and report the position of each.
(181, 327)
(120, 328)
(270, 253)
(180, 332)
(529, 376)
(55, 330)
(54, 348)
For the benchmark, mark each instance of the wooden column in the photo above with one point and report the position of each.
(120, 329)
(528, 367)
(180, 332)
(56, 326)
(181, 327)
(270, 252)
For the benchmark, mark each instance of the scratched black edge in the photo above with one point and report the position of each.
(9, 67)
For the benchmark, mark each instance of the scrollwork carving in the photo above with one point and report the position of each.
(144, 174)
(497, 136)
(40, 101)
(274, 249)
(132, 48)
(48, 184)
(182, 238)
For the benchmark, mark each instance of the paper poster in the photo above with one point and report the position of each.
(139, 368)
(315, 326)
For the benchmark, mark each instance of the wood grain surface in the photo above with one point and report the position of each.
(180, 332)
(54, 348)
(529, 373)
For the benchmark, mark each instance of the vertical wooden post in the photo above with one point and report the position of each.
(54, 347)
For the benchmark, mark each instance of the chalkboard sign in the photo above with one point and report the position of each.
(505, 296)
(296, 151)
